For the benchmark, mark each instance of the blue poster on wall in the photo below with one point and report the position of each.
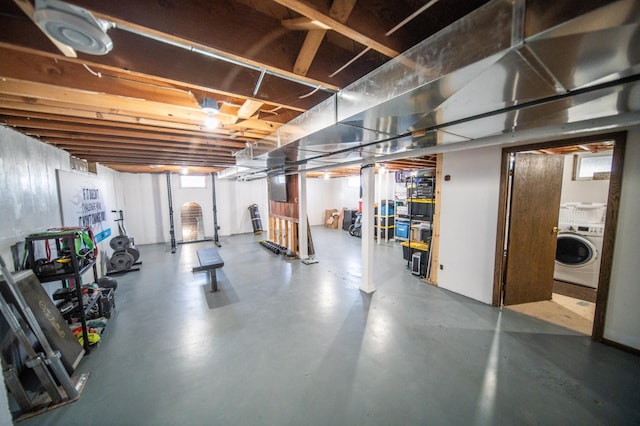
(82, 203)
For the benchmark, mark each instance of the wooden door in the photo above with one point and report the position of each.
(531, 248)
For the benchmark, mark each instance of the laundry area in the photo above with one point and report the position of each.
(580, 233)
(305, 212)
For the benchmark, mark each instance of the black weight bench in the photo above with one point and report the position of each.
(209, 260)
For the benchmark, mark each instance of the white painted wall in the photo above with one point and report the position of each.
(326, 194)
(319, 199)
(234, 199)
(622, 323)
(468, 212)
(147, 206)
(335, 193)
(28, 189)
(581, 191)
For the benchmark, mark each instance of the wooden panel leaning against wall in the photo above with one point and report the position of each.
(284, 218)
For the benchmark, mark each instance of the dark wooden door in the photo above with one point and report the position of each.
(531, 248)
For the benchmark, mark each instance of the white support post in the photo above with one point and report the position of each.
(303, 237)
(368, 199)
(378, 231)
(385, 174)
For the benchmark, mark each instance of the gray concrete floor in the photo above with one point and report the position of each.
(284, 343)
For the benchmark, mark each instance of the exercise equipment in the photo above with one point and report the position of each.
(47, 365)
(125, 254)
(172, 231)
(356, 229)
(273, 247)
(255, 219)
(216, 228)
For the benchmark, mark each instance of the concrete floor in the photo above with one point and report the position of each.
(284, 343)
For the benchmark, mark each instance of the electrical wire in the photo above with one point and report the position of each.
(97, 74)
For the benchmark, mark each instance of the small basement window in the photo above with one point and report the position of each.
(592, 167)
(193, 181)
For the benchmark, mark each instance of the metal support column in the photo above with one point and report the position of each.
(368, 173)
(172, 231)
(216, 228)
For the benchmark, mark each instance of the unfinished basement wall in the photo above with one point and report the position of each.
(29, 192)
(468, 212)
(146, 206)
(326, 194)
(623, 315)
(28, 189)
(233, 200)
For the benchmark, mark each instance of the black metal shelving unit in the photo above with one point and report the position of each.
(420, 199)
(65, 243)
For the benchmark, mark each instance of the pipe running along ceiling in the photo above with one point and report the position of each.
(507, 67)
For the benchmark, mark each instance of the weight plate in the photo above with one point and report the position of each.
(119, 243)
(134, 253)
(121, 261)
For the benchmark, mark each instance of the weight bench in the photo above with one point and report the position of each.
(209, 260)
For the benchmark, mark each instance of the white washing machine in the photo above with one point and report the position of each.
(578, 253)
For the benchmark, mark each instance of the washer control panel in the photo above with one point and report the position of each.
(588, 229)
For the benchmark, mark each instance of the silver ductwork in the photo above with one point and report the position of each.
(507, 67)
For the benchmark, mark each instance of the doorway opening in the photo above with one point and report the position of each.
(192, 225)
(556, 229)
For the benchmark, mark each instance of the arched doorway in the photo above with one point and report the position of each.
(192, 226)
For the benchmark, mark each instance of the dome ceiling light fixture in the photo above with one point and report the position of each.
(73, 26)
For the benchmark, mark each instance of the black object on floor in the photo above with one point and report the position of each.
(273, 247)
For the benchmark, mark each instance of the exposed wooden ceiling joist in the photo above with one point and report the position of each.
(144, 96)
(340, 10)
(313, 14)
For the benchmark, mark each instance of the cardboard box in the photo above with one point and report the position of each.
(331, 218)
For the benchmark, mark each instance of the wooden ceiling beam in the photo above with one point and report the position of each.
(27, 109)
(35, 126)
(83, 152)
(147, 57)
(50, 136)
(340, 10)
(145, 160)
(9, 105)
(128, 75)
(120, 125)
(157, 169)
(249, 108)
(65, 143)
(117, 104)
(308, 51)
(302, 24)
(20, 65)
(313, 14)
(263, 40)
(210, 49)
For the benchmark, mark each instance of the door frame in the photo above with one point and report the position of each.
(611, 221)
